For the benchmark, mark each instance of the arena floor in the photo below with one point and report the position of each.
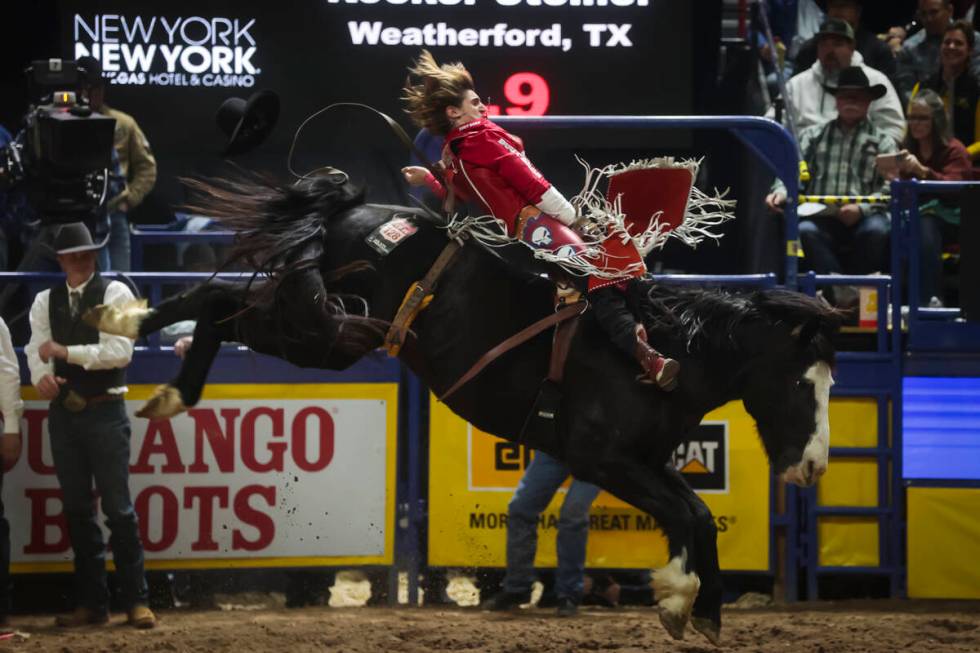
(849, 627)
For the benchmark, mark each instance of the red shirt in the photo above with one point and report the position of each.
(950, 163)
(486, 165)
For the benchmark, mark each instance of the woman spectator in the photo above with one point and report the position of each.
(932, 153)
(956, 85)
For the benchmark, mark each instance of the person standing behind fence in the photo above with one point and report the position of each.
(136, 163)
(541, 480)
(11, 407)
(82, 373)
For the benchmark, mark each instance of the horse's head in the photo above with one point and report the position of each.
(786, 386)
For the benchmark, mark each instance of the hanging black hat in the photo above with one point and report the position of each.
(246, 123)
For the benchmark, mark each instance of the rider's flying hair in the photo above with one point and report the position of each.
(438, 87)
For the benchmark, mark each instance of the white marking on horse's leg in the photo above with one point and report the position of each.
(121, 320)
(165, 402)
(815, 456)
(675, 592)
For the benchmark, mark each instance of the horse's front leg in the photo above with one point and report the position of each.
(676, 585)
(706, 616)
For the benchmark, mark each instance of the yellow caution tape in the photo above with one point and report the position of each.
(804, 171)
(846, 199)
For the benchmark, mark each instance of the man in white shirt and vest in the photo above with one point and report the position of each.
(83, 373)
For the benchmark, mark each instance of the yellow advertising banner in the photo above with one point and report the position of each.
(472, 476)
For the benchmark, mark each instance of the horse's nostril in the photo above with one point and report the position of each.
(810, 471)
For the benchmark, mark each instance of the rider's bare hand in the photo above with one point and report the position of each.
(415, 175)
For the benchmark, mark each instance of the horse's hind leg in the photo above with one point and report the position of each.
(214, 325)
(676, 585)
(136, 319)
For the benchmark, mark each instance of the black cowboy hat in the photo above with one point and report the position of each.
(75, 237)
(246, 123)
(853, 78)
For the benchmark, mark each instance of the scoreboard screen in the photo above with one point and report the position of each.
(171, 64)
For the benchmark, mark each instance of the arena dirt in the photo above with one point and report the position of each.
(806, 628)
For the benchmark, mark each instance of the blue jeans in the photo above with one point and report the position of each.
(119, 256)
(94, 444)
(541, 480)
(831, 246)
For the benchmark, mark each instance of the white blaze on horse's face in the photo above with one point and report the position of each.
(814, 461)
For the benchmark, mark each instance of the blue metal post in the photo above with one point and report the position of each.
(415, 395)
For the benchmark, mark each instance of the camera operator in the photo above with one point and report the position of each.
(136, 163)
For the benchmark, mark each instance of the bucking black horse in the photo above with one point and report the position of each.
(325, 299)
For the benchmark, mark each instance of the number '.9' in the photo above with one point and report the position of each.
(528, 94)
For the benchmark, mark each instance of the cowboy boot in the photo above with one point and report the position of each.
(615, 318)
(658, 368)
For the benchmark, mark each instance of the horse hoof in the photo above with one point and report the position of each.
(708, 628)
(675, 591)
(673, 622)
(165, 402)
(120, 320)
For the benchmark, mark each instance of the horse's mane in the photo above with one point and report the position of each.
(274, 221)
(281, 231)
(707, 319)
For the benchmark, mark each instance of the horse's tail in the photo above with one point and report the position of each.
(280, 234)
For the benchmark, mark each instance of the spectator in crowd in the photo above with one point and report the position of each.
(82, 373)
(808, 94)
(933, 154)
(793, 22)
(136, 162)
(919, 57)
(841, 156)
(541, 480)
(876, 52)
(11, 408)
(955, 84)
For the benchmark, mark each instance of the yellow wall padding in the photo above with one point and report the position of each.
(848, 541)
(849, 482)
(853, 422)
(944, 543)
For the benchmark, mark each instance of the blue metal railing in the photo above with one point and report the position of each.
(148, 235)
(882, 382)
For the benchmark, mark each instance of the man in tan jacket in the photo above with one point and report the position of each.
(136, 163)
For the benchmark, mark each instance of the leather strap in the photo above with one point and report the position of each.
(560, 345)
(518, 338)
(415, 298)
